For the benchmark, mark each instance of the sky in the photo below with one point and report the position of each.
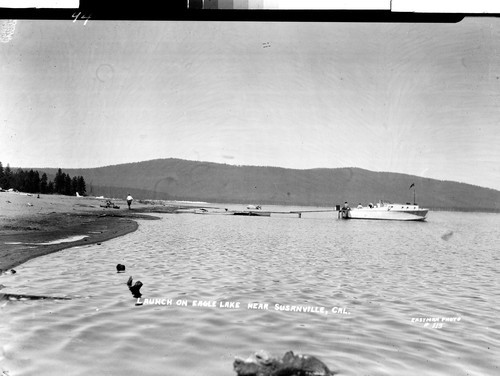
(420, 99)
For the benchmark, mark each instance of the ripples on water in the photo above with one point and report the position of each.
(382, 273)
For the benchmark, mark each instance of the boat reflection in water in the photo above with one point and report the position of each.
(384, 211)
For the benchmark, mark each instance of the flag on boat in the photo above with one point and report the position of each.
(412, 185)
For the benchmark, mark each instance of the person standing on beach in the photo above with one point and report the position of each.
(129, 200)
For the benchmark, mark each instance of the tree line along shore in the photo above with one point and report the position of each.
(32, 182)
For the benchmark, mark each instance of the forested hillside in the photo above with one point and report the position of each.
(177, 179)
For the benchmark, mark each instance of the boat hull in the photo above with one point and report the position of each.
(394, 215)
(390, 212)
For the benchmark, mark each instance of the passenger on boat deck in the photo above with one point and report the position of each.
(346, 205)
(360, 206)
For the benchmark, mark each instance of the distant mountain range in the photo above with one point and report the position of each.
(176, 179)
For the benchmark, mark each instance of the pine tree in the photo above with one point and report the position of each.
(2, 176)
(19, 180)
(50, 187)
(43, 183)
(7, 177)
(67, 185)
(74, 185)
(81, 188)
(59, 182)
(33, 182)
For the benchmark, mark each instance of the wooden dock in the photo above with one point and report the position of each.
(253, 213)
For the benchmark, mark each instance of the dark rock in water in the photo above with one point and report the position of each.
(120, 268)
(13, 271)
(262, 364)
(134, 289)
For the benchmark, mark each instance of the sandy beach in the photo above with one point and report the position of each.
(29, 222)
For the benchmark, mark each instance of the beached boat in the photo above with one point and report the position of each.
(254, 207)
(385, 211)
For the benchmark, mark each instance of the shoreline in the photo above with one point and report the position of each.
(26, 222)
(97, 230)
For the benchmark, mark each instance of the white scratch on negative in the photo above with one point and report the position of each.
(7, 29)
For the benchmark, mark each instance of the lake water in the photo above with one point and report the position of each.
(385, 298)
